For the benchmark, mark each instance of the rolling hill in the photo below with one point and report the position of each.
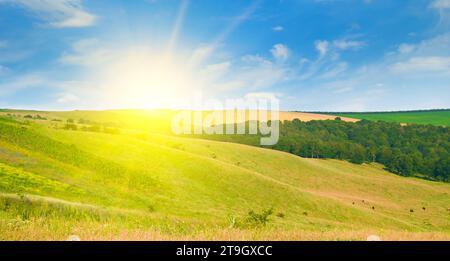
(151, 186)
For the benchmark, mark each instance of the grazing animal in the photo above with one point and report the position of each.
(353, 203)
(411, 210)
(373, 207)
(423, 208)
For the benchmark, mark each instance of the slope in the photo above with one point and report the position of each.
(150, 186)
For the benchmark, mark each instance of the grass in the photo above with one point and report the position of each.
(438, 117)
(143, 186)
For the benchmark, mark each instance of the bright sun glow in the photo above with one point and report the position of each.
(141, 79)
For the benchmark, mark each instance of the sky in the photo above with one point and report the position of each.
(312, 55)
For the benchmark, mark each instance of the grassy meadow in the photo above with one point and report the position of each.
(132, 180)
(434, 117)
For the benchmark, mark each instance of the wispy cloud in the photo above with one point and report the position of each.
(280, 52)
(440, 4)
(67, 98)
(406, 48)
(277, 28)
(178, 24)
(344, 44)
(253, 73)
(322, 47)
(423, 64)
(395, 79)
(15, 84)
(58, 13)
(335, 70)
(203, 52)
(443, 8)
(87, 52)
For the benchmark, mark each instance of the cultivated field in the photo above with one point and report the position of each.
(123, 182)
(439, 117)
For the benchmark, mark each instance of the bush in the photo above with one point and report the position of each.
(70, 126)
(259, 219)
(280, 215)
(39, 117)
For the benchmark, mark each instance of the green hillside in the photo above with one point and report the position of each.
(132, 184)
(434, 117)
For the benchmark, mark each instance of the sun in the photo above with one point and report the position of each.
(144, 79)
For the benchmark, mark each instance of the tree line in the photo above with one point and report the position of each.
(410, 150)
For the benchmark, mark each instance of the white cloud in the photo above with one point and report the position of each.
(322, 47)
(347, 44)
(217, 69)
(204, 52)
(440, 4)
(22, 82)
(278, 28)
(406, 48)
(87, 52)
(423, 64)
(259, 72)
(280, 51)
(85, 44)
(200, 54)
(67, 98)
(344, 89)
(214, 72)
(340, 86)
(255, 59)
(443, 9)
(58, 13)
(262, 95)
(335, 70)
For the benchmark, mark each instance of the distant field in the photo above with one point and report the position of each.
(440, 118)
(143, 186)
(146, 118)
(303, 116)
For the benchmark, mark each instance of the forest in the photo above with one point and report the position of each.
(408, 150)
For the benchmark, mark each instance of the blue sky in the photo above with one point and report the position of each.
(314, 55)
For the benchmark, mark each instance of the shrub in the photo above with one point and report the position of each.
(70, 126)
(39, 117)
(259, 219)
(232, 221)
